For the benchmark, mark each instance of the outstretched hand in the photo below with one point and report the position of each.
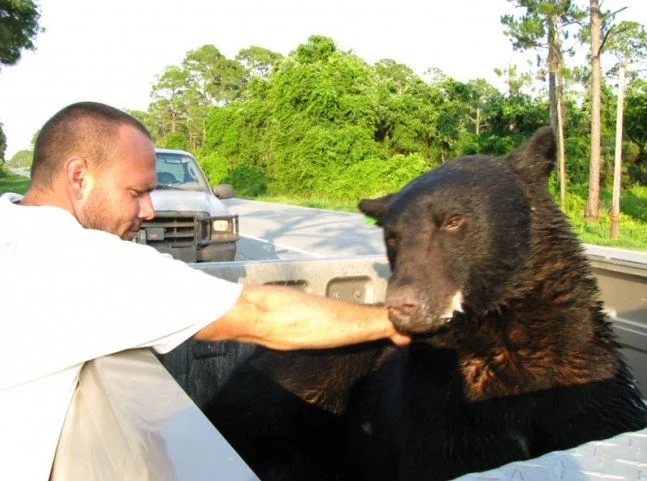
(285, 319)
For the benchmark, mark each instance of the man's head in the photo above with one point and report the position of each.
(99, 163)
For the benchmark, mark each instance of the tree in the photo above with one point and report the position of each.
(216, 78)
(592, 210)
(21, 159)
(18, 27)
(168, 95)
(258, 61)
(3, 145)
(404, 108)
(629, 46)
(323, 117)
(635, 114)
(543, 25)
(600, 31)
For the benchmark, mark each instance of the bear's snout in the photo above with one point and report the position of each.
(403, 307)
(409, 312)
(401, 315)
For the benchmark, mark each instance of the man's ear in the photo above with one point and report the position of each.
(77, 177)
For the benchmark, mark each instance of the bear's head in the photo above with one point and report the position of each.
(458, 238)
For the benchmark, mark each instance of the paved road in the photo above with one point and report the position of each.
(23, 172)
(278, 231)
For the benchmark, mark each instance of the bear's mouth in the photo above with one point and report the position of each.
(423, 327)
(418, 318)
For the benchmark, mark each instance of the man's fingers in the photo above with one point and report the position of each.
(400, 339)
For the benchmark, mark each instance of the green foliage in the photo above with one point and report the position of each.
(3, 145)
(635, 117)
(258, 62)
(215, 167)
(633, 216)
(317, 49)
(21, 159)
(18, 27)
(530, 29)
(251, 182)
(373, 177)
(323, 125)
(248, 180)
(175, 140)
(215, 77)
(637, 174)
(10, 182)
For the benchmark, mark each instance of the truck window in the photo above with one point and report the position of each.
(180, 170)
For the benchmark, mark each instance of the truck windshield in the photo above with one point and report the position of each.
(179, 171)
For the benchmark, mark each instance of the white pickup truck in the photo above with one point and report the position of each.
(191, 223)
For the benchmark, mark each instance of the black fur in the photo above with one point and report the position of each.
(512, 356)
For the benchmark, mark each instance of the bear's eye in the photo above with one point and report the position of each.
(391, 239)
(453, 222)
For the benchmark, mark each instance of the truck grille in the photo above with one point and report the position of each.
(173, 230)
(176, 230)
(185, 230)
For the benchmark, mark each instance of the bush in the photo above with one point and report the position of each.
(215, 167)
(374, 177)
(247, 181)
(175, 140)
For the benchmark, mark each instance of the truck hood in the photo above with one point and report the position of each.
(188, 200)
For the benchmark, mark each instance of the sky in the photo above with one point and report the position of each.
(113, 51)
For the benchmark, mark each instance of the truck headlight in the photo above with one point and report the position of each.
(220, 225)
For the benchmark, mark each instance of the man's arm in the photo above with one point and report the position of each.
(284, 318)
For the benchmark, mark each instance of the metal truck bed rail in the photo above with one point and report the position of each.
(131, 420)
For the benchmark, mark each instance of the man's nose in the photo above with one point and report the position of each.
(146, 210)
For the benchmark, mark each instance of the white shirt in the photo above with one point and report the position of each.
(68, 295)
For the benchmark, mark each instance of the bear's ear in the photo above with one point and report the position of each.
(535, 160)
(375, 208)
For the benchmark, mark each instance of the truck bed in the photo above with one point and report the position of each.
(134, 418)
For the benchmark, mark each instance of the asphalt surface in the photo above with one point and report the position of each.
(279, 231)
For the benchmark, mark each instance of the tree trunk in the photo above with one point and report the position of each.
(554, 96)
(560, 145)
(592, 212)
(553, 66)
(617, 161)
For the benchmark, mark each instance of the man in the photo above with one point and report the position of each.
(72, 289)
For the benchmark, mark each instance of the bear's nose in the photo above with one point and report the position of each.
(402, 308)
(401, 315)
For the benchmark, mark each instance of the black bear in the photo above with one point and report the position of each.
(512, 354)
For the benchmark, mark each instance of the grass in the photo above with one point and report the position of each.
(10, 182)
(315, 202)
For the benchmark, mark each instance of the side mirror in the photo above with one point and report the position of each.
(224, 191)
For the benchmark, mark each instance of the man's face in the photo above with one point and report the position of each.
(117, 196)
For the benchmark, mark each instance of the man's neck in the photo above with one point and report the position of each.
(36, 196)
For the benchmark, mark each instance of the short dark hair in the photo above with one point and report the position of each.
(88, 129)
